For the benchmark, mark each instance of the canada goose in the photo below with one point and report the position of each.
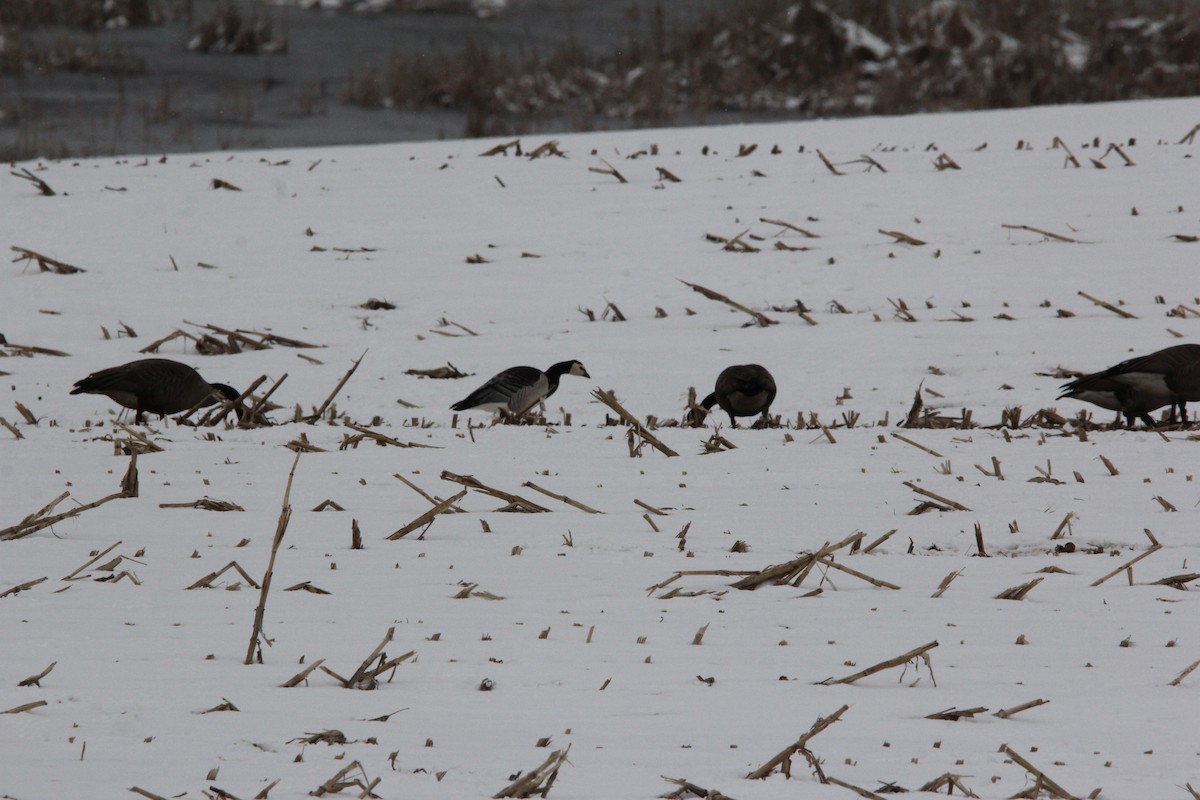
(155, 385)
(742, 390)
(518, 389)
(1143, 384)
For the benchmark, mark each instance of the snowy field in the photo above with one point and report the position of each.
(516, 636)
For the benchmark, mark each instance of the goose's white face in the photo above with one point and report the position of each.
(577, 369)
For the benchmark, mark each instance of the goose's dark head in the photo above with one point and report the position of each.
(697, 414)
(230, 394)
(571, 367)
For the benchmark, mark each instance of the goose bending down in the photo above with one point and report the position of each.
(742, 390)
(156, 386)
(518, 389)
(1143, 384)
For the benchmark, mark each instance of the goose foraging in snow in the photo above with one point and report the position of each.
(742, 390)
(1140, 385)
(156, 386)
(518, 389)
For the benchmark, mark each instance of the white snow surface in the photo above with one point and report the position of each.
(579, 651)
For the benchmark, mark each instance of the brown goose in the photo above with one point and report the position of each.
(518, 389)
(155, 385)
(1143, 384)
(742, 390)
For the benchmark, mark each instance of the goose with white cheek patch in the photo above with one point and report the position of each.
(518, 389)
(1143, 384)
(155, 386)
(743, 390)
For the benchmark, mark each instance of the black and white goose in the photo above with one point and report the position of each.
(742, 390)
(1140, 385)
(156, 386)
(518, 389)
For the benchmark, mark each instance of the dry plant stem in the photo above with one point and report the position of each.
(793, 570)
(799, 745)
(725, 573)
(917, 445)
(153, 346)
(265, 340)
(611, 170)
(30, 419)
(129, 484)
(900, 236)
(561, 497)
(366, 664)
(471, 482)
(92, 560)
(611, 401)
(879, 541)
(144, 793)
(955, 714)
(29, 350)
(207, 581)
(945, 584)
(1047, 234)
(256, 409)
(382, 438)
(806, 233)
(537, 781)
(432, 499)
(937, 497)
(20, 587)
(1153, 549)
(6, 424)
(828, 164)
(316, 415)
(761, 319)
(1062, 526)
(33, 680)
(921, 651)
(285, 514)
(444, 507)
(45, 263)
(871, 163)
(1005, 713)
(142, 439)
(739, 245)
(335, 784)
(1178, 678)
(1071, 159)
(266, 790)
(23, 529)
(1019, 592)
(21, 709)
(914, 411)
(1041, 777)
(42, 187)
(951, 782)
(46, 509)
(650, 508)
(687, 788)
(1120, 312)
(857, 574)
(861, 792)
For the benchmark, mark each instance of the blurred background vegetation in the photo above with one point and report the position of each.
(106, 77)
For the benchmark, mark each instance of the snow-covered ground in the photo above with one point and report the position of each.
(535, 632)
